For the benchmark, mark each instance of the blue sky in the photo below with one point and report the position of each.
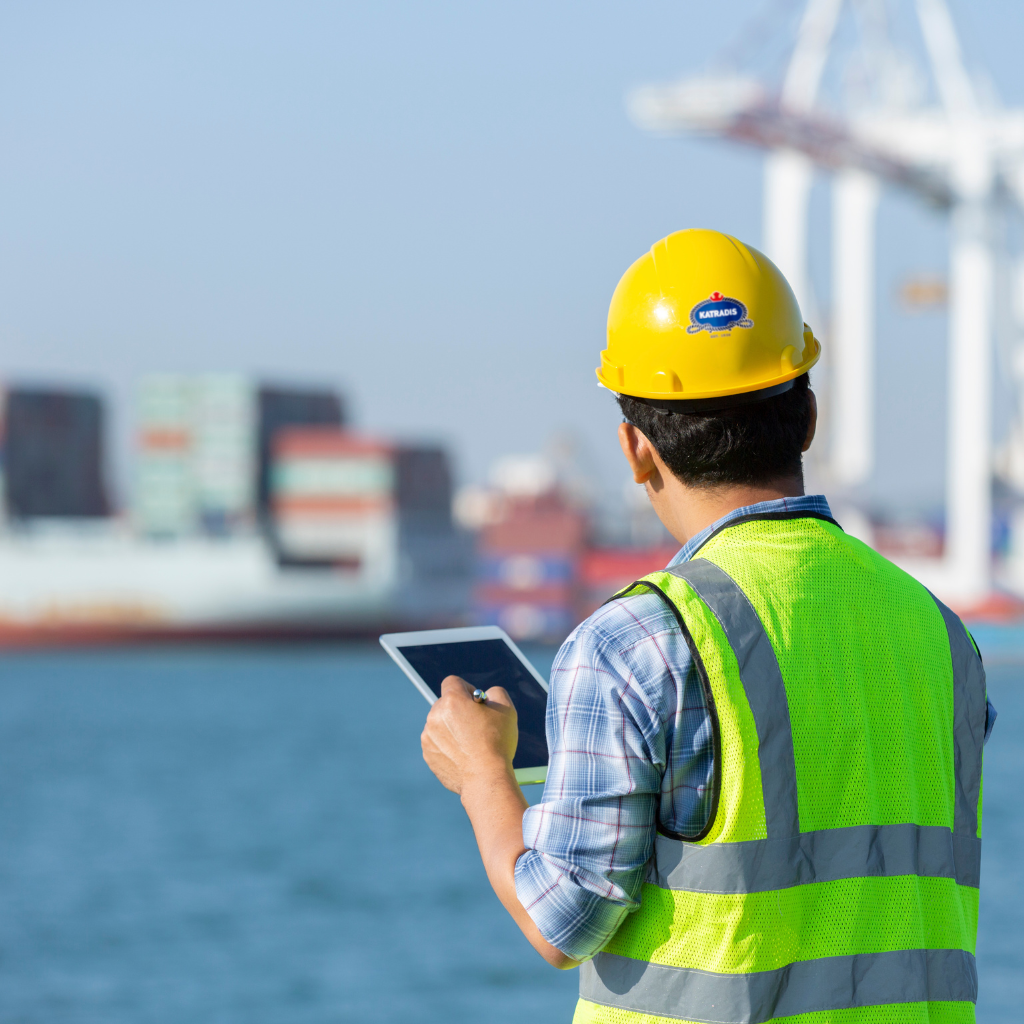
(428, 205)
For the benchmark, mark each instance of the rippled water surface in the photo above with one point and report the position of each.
(249, 835)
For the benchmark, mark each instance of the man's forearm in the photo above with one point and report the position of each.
(469, 746)
(495, 805)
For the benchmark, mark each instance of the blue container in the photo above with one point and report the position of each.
(526, 571)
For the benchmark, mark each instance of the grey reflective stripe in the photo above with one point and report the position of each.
(831, 983)
(764, 865)
(969, 715)
(763, 685)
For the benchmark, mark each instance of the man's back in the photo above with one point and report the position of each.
(839, 869)
(864, 653)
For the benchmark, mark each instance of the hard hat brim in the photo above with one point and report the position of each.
(754, 390)
(719, 404)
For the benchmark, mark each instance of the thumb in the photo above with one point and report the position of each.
(499, 695)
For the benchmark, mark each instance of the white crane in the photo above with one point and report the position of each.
(956, 156)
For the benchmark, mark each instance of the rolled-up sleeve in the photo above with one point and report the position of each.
(615, 685)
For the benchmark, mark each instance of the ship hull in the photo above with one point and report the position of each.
(75, 589)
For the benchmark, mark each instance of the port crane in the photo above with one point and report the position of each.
(963, 155)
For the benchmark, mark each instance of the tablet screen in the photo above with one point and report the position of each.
(483, 664)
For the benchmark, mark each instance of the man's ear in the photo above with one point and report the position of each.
(638, 451)
(813, 424)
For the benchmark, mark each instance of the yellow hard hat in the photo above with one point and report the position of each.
(702, 316)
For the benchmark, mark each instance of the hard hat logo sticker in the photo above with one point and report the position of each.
(718, 313)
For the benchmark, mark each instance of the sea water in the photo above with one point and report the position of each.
(249, 834)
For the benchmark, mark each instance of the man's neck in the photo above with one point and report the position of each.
(686, 510)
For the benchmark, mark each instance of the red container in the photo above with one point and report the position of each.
(536, 526)
(552, 594)
(325, 442)
(605, 572)
(608, 566)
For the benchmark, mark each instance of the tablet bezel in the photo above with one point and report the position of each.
(391, 642)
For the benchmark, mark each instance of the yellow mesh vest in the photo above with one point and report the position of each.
(837, 880)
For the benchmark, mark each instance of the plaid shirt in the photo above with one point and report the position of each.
(630, 740)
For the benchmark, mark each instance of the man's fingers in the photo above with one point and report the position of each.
(499, 695)
(430, 748)
(456, 685)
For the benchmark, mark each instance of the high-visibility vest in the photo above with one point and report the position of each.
(836, 881)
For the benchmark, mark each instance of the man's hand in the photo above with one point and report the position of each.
(470, 747)
(463, 738)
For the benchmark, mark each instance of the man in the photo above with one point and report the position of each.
(763, 798)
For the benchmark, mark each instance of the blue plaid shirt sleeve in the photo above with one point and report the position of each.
(631, 746)
(618, 681)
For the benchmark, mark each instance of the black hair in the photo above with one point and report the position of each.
(747, 444)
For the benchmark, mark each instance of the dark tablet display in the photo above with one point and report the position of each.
(483, 664)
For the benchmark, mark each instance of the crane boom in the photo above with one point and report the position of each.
(954, 84)
(807, 64)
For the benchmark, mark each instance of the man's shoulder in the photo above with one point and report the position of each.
(623, 622)
(630, 649)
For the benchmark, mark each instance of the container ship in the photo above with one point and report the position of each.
(255, 511)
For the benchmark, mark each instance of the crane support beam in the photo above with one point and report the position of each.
(787, 184)
(854, 206)
(969, 455)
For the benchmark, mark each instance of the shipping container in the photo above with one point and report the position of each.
(165, 501)
(280, 408)
(333, 502)
(423, 481)
(549, 594)
(523, 571)
(545, 525)
(606, 571)
(528, 563)
(431, 548)
(525, 621)
(223, 421)
(53, 455)
(197, 457)
(377, 512)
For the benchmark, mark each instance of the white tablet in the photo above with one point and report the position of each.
(484, 656)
